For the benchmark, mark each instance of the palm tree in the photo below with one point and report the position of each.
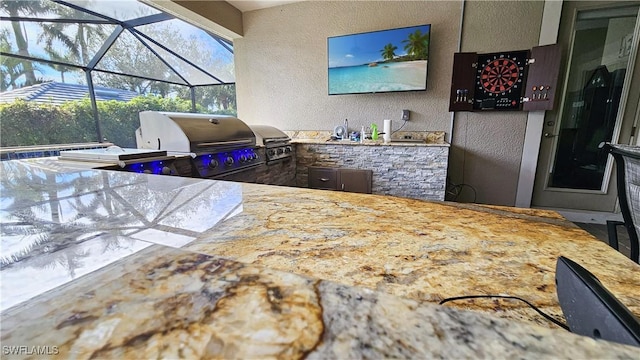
(417, 45)
(66, 58)
(223, 96)
(80, 42)
(23, 8)
(10, 68)
(388, 51)
(77, 43)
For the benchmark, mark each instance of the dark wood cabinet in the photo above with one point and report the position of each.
(350, 180)
(323, 178)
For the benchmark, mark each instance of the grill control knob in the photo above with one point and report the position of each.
(254, 156)
(243, 158)
(147, 171)
(271, 152)
(228, 161)
(280, 151)
(287, 149)
(213, 164)
(165, 170)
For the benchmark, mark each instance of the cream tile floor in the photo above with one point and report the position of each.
(600, 231)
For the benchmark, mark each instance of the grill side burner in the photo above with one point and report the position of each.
(123, 159)
(217, 144)
(277, 143)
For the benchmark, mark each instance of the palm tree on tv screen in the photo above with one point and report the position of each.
(417, 45)
(388, 51)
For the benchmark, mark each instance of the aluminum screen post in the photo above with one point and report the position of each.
(192, 89)
(94, 105)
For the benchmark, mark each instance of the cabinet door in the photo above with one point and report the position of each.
(462, 82)
(323, 178)
(358, 181)
(542, 78)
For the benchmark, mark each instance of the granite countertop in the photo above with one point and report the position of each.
(417, 138)
(103, 264)
(168, 303)
(426, 251)
(379, 142)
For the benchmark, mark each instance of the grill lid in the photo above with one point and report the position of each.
(187, 132)
(268, 134)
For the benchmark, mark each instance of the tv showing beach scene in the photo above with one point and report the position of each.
(379, 61)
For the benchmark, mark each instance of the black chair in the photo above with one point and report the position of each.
(628, 179)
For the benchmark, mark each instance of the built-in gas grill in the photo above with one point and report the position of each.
(276, 143)
(199, 145)
(218, 145)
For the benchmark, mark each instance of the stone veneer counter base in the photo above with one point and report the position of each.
(408, 169)
(411, 170)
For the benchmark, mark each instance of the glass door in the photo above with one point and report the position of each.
(573, 171)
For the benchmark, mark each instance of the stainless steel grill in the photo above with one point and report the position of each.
(277, 143)
(218, 145)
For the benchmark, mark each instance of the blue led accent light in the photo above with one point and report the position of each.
(221, 157)
(206, 160)
(156, 167)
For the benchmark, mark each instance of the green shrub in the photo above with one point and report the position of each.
(23, 123)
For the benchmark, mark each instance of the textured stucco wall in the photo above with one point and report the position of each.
(487, 146)
(281, 72)
(281, 65)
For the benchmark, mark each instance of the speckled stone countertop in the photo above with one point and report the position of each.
(426, 251)
(419, 138)
(100, 264)
(378, 142)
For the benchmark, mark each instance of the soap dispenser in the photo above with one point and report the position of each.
(374, 132)
(346, 129)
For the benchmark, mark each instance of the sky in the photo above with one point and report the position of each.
(120, 9)
(358, 49)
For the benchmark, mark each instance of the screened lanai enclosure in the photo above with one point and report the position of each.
(81, 71)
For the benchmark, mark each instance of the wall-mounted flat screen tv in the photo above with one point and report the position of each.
(379, 61)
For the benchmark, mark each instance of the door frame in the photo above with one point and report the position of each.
(549, 30)
(535, 120)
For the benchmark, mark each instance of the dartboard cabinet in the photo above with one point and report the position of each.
(507, 80)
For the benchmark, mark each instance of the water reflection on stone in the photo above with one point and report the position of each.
(58, 224)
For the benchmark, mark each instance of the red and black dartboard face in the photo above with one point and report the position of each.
(500, 75)
(500, 80)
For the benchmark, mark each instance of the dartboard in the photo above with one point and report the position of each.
(499, 76)
(500, 80)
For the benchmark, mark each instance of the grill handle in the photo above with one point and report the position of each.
(218, 143)
(278, 140)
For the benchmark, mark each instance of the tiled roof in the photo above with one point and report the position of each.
(57, 93)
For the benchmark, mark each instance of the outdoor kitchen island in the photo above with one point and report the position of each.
(109, 264)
